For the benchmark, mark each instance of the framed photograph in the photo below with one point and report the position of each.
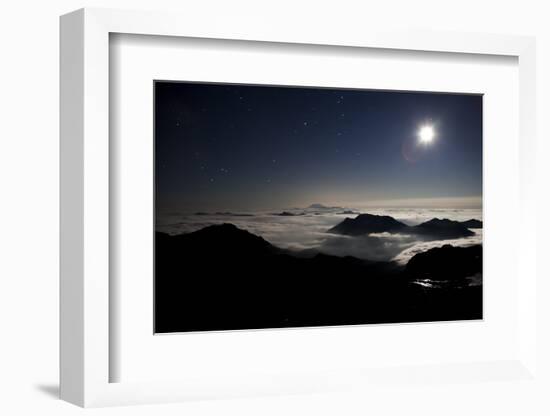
(271, 212)
(239, 173)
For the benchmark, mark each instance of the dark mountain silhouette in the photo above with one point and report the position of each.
(321, 207)
(222, 277)
(226, 238)
(442, 229)
(369, 223)
(445, 263)
(366, 224)
(472, 224)
(288, 214)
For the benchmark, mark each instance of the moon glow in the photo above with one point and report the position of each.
(426, 134)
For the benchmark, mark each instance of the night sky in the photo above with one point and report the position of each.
(224, 147)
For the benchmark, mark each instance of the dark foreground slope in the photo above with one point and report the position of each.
(447, 263)
(222, 278)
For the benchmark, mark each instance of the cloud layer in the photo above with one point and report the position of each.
(306, 230)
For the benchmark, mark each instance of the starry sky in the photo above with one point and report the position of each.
(233, 147)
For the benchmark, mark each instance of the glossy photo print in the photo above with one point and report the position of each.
(281, 206)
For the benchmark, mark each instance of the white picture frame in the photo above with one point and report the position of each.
(85, 220)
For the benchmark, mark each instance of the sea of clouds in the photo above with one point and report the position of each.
(307, 229)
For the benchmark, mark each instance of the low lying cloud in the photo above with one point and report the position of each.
(307, 231)
(404, 256)
(366, 247)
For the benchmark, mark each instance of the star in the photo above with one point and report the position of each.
(305, 123)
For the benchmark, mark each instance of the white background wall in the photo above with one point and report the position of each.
(29, 205)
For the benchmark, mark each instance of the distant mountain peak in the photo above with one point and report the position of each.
(443, 228)
(472, 223)
(320, 206)
(439, 222)
(369, 223)
(366, 224)
(288, 214)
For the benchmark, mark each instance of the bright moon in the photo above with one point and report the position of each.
(426, 134)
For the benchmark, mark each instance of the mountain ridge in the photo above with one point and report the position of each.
(435, 228)
(222, 277)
